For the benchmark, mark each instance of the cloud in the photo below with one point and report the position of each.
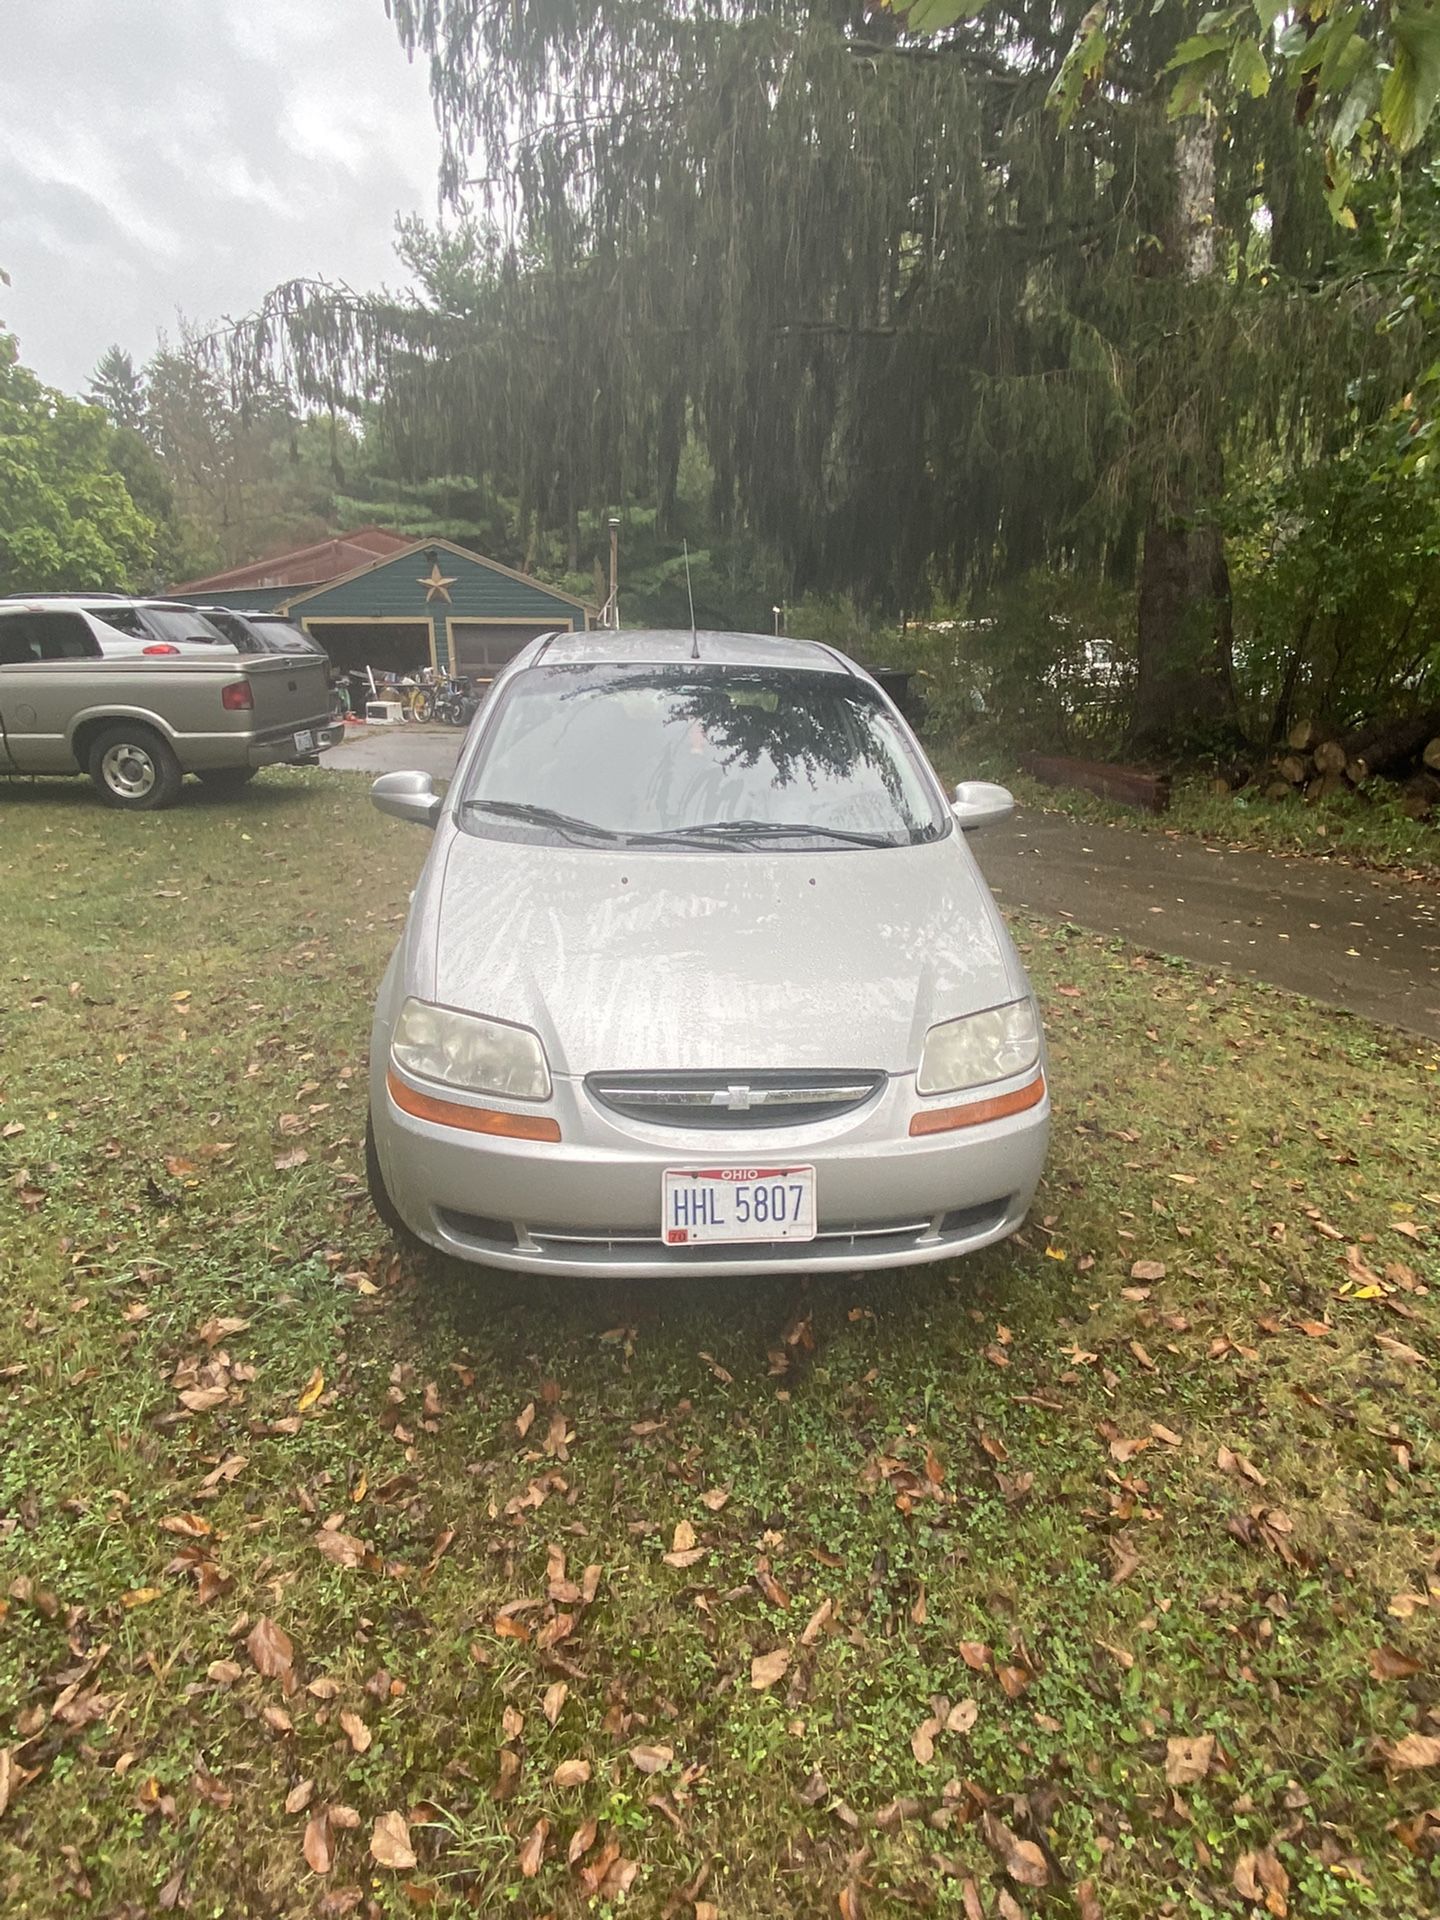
(167, 157)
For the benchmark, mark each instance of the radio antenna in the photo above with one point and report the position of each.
(690, 594)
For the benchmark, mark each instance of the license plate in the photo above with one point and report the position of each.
(305, 742)
(709, 1204)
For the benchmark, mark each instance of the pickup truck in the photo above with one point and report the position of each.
(138, 726)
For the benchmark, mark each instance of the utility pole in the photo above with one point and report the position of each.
(614, 571)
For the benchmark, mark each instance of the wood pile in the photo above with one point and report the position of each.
(1315, 767)
(1130, 786)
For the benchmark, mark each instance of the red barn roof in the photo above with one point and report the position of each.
(308, 566)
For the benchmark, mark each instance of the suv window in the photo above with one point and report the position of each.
(45, 636)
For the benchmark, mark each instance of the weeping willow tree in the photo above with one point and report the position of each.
(926, 338)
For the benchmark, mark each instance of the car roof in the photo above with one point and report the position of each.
(660, 647)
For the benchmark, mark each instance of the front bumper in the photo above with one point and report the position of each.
(590, 1203)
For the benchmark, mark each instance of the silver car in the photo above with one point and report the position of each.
(701, 976)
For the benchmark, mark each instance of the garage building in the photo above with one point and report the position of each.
(424, 603)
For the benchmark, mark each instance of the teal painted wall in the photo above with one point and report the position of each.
(394, 591)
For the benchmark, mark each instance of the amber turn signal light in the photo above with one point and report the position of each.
(976, 1112)
(450, 1113)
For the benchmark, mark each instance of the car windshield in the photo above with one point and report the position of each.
(281, 637)
(697, 757)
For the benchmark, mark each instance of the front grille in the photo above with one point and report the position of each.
(733, 1100)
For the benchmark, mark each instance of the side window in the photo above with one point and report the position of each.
(17, 642)
(126, 619)
(63, 636)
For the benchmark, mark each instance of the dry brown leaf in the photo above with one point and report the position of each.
(1260, 1877)
(922, 1741)
(277, 1719)
(525, 1419)
(293, 1157)
(555, 1698)
(581, 1841)
(509, 1776)
(1388, 1663)
(684, 1537)
(651, 1759)
(1022, 1859)
(1414, 1750)
(817, 1623)
(975, 1654)
(298, 1798)
(271, 1649)
(962, 1716)
(202, 1399)
(1398, 1350)
(849, 1902)
(767, 1668)
(1087, 1901)
(310, 1392)
(715, 1499)
(1187, 1760)
(319, 1856)
(571, 1773)
(390, 1843)
(1148, 1270)
(1013, 1681)
(532, 1852)
(224, 1672)
(356, 1731)
(190, 1526)
(340, 1549)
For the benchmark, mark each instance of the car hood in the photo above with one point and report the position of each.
(644, 960)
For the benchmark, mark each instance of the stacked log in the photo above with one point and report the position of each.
(1318, 766)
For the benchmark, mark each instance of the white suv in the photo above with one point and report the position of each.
(128, 629)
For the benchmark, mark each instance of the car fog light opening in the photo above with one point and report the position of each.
(451, 1113)
(975, 1113)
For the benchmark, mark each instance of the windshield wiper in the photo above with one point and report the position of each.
(542, 817)
(772, 830)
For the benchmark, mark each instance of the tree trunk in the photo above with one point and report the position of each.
(1185, 688)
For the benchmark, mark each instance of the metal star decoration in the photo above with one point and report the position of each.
(436, 583)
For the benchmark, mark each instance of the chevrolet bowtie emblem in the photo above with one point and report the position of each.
(737, 1099)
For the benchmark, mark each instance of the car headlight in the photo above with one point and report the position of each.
(462, 1050)
(981, 1047)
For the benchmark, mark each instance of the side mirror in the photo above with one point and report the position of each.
(980, 803)
(408, 796)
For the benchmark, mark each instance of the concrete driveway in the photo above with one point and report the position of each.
(1368, 943)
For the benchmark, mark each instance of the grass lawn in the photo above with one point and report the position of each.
(1096, 1575)
(1362, 830)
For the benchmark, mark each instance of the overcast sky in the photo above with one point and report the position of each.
(164, 156)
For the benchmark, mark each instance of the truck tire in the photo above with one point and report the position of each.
(227, 779)
(134, 768)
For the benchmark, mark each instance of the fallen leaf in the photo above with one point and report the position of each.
(715, 1499)
(849, 1902)
(277, 1719)
(1398, 1350)
(767, 1668)
(271, 1649)
(975, 1654)
(651, 1759)
(508, 1778)
(1147, 1270)
(571, 1773)
(390, 1843)
(310, 1392)
(1188, 1760)
(1013, 1681)
(202, 1399)
(299, 1797)
(962, 1717)
(922, 1741)
(817, 1623)
(1022, 1859)
(1260, 1877)
(581, 1841)
(532, 1853)
(190, 1526)
(355, 1729)
(1414, 1750)
(684, 1537)
(555, 1697)
(1388, 1663)
(316, 1844)
(224, 1672)
(340, 1549)
(294, 1157)
(525, 1419)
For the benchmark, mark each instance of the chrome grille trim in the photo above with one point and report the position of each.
(735, 1099)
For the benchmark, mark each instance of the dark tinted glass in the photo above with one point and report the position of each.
(644, 750)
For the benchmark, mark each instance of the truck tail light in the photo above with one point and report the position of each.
(160, 646)
(238, 697)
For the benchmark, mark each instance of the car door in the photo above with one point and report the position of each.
(18, 648)
(40, 689)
